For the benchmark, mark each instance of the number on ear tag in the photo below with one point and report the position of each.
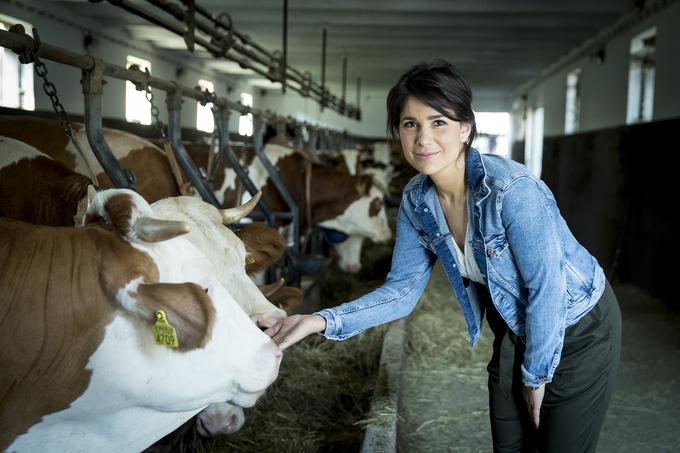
(163, 332)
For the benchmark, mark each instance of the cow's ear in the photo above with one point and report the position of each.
(188, 308)
(287, 298)
(264, 246)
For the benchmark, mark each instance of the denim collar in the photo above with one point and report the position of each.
(475, 173)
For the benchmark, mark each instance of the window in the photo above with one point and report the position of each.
(245, 122)
(493, 129)
(137, 107)
(534, 141)
(205, 121)
(16, 79)
(572, 114)
(641, 77)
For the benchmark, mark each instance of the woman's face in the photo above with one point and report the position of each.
(431, 142)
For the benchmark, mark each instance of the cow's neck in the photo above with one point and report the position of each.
(57, 310)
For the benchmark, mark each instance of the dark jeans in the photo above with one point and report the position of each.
(575, 401)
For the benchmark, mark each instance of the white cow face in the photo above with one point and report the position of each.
(224, 250)
(349, 254)
(234, 361)
(365, 217)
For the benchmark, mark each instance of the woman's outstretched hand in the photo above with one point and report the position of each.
(294, 328)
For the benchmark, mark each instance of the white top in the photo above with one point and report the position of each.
(466, 259)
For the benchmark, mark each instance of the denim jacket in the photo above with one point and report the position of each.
(540, 278)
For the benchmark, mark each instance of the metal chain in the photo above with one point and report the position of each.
(51, 92)
(154, 110)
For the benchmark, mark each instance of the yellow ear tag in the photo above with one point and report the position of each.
(163, 332)
(250, 259)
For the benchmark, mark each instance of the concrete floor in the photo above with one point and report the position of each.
(443, 388)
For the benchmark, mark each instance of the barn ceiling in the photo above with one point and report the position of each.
(498, 44)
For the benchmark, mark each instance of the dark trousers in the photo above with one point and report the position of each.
(575, 401)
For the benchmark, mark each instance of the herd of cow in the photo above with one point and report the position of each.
(93, 285)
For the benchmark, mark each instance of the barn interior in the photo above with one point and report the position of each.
(581, 92)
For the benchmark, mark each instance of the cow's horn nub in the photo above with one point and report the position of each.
(155, 230)
(232, 215)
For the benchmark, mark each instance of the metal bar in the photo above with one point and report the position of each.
(358, 91)
(174, 103)
(284, 59)
(312, 144)
(344, 78)
(264, 59)
(278, 182)
(93, 83)
(20, 43)
(221, 115)
(323, 69)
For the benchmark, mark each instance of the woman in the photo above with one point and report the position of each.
(508, 253)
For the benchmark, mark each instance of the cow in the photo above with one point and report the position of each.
(154, 177)
(355, 162)
(83, 368)
(37, 189)
(333, 198)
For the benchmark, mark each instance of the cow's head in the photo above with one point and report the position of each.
(349, 254)
(366, 215)
(225, 251)
(222, 356)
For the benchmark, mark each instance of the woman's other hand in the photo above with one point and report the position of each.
(534, 398)
(294, 328)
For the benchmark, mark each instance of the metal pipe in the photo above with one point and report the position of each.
(264, 59)
(93, 83)
(258, 146)
(174, 103)
(19, 43)
(22, 43)
(284, 59)
(344, 78)
(323, 69)
(358, 92)
(221, 115)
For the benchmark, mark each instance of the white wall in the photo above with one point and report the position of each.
(604, 86)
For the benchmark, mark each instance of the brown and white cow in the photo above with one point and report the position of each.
(155, 179)
(81, 369)
(356, 162)
(37, 189)
(348, 203)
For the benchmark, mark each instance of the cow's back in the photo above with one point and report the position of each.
(154, 178)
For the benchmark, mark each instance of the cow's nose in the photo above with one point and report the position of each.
(266, 320)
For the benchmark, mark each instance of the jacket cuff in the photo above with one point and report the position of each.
(534, 381)
(333, 323)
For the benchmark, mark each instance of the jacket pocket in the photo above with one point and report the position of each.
(496, 245)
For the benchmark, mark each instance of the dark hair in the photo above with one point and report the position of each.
(438, 84)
